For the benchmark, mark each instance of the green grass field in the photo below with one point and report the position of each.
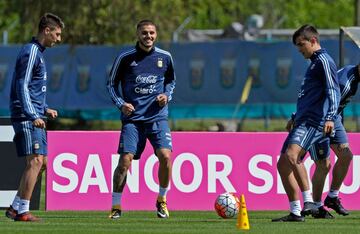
(179, 222)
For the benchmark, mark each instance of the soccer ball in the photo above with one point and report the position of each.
(227, 205)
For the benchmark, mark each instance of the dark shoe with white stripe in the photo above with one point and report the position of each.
(290, 218)
(323, 214)
(309, 208)
(335, 204)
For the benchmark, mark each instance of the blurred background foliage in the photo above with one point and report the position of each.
(112, 22)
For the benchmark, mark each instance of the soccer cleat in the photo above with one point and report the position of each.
(26, 217)
(162, 211)
(335, 204)
(11, 212)
(115, 212)
(309, 208)
(323, 214)
(290, 218)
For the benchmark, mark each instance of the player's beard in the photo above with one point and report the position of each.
(146, 45)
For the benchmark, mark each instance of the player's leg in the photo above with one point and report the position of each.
(318, 180)
(291, 189)
(320, 153)
(340, 170)
(319, 177)
(30, 142)
(164, 175)
(160, 138)
(295, 154)
(27, 184)
(119, 181)
(340, 145)
(290, 185)
(131, 145)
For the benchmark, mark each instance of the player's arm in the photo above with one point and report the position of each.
(24, 72)
(169, 84)
(113, 87)
(331, 91)
(114, 81)
(291, 122)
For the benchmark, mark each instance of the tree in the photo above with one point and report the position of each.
(113, 21)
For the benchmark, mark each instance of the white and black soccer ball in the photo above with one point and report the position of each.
(227, 205)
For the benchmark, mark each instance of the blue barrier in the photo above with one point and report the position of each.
(210, 78)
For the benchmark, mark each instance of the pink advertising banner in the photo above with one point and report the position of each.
(205, 164)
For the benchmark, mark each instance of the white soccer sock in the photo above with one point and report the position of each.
(295, 207)
(116, 198)
(15, 203)
(307, 196)
(333, 193)
(163, 191)
(23, 206)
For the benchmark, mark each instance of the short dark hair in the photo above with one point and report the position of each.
(145, 22)
(50, 20)
(307, 32)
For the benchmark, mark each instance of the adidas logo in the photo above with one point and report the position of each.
(133, 64)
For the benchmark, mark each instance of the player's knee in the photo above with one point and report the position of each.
(281, 163)
(36, 162)
(323, 166)
(164, 158)
(344, 152)
(292, 158)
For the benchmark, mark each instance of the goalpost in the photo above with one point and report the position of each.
(354, 34)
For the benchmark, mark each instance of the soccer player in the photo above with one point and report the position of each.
(146, 76)
(317, 106)
(349, 77)
(28, 110)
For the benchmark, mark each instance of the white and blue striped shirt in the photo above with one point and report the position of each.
(28, 87)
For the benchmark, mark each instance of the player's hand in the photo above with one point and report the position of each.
(127, 109)
(51, 114)
(39, 123)
(162, 99)
(290, 125)
(328, 127)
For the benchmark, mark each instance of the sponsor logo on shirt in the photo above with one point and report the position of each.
(149, 90)
(151, 79)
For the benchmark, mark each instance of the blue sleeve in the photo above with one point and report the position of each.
(114, 81)
(170, 80)
(332, 88)
(24, 68)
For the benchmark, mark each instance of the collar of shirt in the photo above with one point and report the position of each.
(141, 51)
(35, 41)
(317, 53)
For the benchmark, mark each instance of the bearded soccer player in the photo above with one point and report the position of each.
(146, 78)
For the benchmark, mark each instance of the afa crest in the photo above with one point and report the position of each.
(3, 74)
(196, 73)
(57, 71)
(254, 72)
(227, 77)
(160, 63)
(83, 78)
(283, 72)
